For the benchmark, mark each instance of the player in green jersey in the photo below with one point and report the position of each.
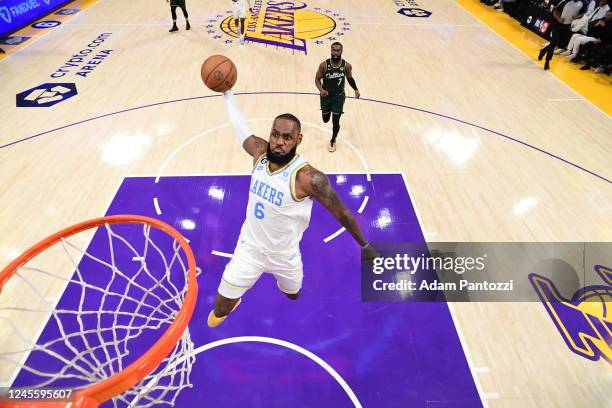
(330, 79)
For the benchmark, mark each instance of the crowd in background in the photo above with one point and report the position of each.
(580, 30)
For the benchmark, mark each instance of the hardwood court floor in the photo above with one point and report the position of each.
(492, 147)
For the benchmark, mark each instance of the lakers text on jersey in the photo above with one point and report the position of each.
(275, 217)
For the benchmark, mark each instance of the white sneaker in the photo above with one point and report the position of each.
(560, 51)
(566, 53)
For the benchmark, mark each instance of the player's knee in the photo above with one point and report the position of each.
(326, 117)
(336, 118)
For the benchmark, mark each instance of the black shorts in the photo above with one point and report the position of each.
(177, 3)
(333, 103)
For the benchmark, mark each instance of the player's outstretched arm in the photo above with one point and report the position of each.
(314, 183)
(255, 146)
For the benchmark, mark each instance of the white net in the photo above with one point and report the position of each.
(92, 311)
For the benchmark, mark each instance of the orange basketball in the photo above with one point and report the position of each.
(219, 73)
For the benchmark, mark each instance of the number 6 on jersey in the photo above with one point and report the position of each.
(259, 211)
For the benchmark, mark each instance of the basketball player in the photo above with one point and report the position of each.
(239, 14)
(283, 186)
(173, 5)
(333, 72)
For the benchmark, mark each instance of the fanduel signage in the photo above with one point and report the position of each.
(15, 14)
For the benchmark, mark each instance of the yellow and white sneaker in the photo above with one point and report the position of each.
(214, 321)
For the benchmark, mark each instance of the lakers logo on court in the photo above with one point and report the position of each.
(283, 24)
(584, 320)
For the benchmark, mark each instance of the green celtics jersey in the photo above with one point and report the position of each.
(334, 78)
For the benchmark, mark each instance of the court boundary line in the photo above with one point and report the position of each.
(510, 138)
(462, 342)
(279, 342)
(529, 57)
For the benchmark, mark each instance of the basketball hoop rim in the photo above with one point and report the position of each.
(98, 393)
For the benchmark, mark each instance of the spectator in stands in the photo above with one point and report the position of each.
(582, 24)
(518, 9)
(595, 11)
(562, 16)
(601, 59)
(599, 54)
(488, 2)
(506, 5)
(596, 32)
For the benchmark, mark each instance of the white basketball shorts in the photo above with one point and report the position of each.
(239, 10)
(249, 263)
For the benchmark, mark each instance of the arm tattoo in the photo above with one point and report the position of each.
(326, 195)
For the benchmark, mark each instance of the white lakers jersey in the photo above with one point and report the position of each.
(239, 9)
(275, 218)
(241, 4)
